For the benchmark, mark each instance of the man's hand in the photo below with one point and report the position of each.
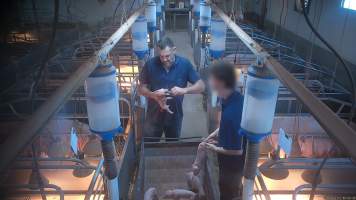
(211, 141)
(160, 94)
(178, 91)
(160, 97)
(211, 147)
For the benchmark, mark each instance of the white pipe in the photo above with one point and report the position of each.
(248, 187)
(113, 188)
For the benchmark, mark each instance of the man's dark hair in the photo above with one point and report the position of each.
(165, 42)
(224, 72)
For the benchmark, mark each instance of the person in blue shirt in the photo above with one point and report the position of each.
(226, 140)
(164, 81)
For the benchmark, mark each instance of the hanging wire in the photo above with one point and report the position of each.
(37, 172)
(285, 16)
(316, 20)
(337, 55)
(35, 15)
(341, 42)
(349, 73)
(50, 49)
(281, 14)
(116, 8)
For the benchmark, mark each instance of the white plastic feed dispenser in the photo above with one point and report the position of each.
(103, 100)
(162, 4)
(259, 102)
(139, 37)
(205, 16)
(218, 38)
(158, 8)
(196, 8)
(151, 16)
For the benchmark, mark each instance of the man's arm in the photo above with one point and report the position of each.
(212, 136)
(197, 87)
(143, 90)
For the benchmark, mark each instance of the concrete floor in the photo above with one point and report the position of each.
(195, 117)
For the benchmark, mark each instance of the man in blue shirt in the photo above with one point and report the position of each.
(164, 81)
(226, 140)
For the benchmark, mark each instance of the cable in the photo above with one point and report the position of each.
(281, 14)
(34, 8)
(285, 16)
(117, 7)
(349, 73)
(37, 172)
(50, 48)
(347, 69)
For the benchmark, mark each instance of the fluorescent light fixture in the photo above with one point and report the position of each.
(349, 4)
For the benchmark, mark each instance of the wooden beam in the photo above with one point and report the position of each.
(32, 127)
(334, 126)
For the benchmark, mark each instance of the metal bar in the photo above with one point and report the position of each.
(264, 188)
(48, 192)
(20, 138)
(335, 127)
(36, 169)
(19, 186)
(46, 167)
(333, 187)
(93, 180)
(75, 160)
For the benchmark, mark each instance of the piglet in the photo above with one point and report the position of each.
(178, 194)
(195, 184)
(200, 158)
(164, 106)
(151, 194)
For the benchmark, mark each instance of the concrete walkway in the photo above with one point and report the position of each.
(195, 118)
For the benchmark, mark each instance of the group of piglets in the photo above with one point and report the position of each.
(195, 192)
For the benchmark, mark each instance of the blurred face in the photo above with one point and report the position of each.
(217, 86)
(167, 56)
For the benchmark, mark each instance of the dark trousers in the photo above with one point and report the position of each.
(154, 129)
(230, 176)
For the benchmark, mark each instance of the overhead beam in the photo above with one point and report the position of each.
(15, 143)
(334, 126)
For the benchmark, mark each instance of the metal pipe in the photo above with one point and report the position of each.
(335, 127)
(263, 186)
(308, 163)
(46, 167)
(32, 127)
(93, 180)
(109, 159)
(250, 169)
(75, 160)
(29, 186)
(323, 186)
(36, 170)
(113, 188)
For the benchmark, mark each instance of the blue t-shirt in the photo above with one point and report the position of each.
(156, 77)
(229, 137)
